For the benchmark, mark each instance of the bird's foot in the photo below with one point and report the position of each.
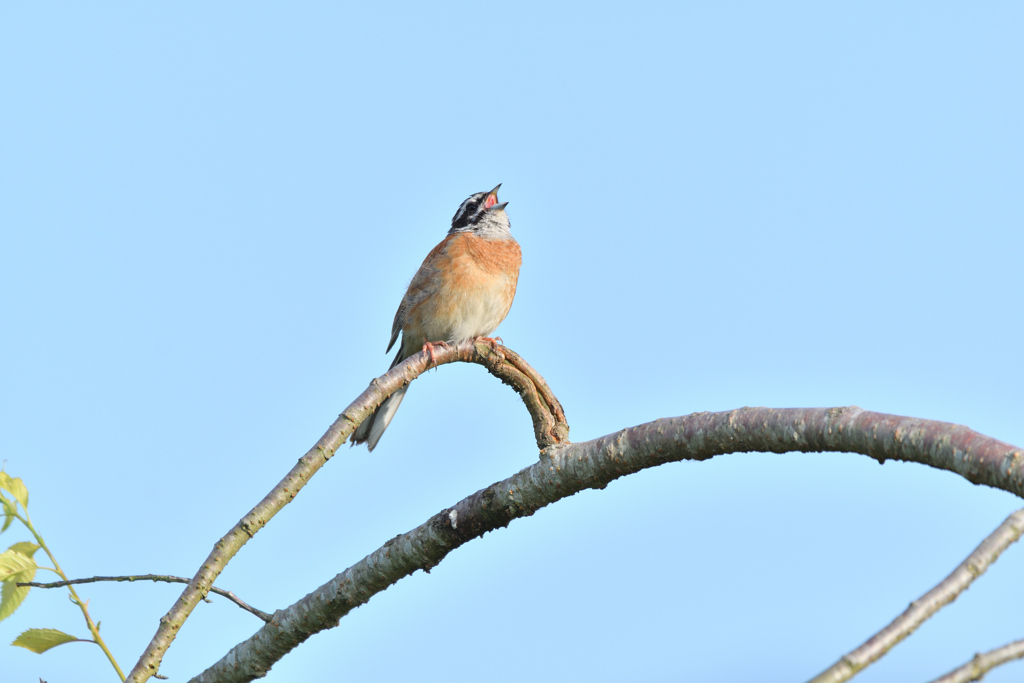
(491, 341)
(428, 348)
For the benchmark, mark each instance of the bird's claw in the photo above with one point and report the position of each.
(491, 341)
(428, 348)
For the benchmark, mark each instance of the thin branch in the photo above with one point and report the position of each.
(565, 470)
(154, 577)
(549, 426)
(928, 604)
(976, 669)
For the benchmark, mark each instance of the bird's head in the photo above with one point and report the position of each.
(482, 214)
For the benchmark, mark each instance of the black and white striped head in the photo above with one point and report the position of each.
(482, 214)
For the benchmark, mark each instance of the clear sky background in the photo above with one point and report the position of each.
(210, 213)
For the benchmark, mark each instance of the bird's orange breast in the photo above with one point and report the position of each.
(474, 282)
(477, 262)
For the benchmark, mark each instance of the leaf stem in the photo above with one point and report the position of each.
(82, 605)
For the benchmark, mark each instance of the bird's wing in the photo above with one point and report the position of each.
(422, 285)
(396, 326)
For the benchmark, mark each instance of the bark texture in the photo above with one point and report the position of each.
(565, 469)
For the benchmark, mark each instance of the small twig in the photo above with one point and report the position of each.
(927, 605)
(976, 669)
(153, 577)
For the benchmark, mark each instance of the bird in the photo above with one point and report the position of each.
(462, 291)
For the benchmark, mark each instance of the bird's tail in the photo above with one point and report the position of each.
(372, 428)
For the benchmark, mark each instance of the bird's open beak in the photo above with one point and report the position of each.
(492, 198)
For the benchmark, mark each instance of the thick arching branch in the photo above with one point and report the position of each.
(565, 470)
(550, 429)
(928, 604)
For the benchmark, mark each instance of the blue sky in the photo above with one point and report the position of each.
(210, 214)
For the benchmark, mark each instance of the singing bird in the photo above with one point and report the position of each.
(463, 290)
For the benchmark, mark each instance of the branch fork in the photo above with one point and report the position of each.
(550, 428)
(563, 469)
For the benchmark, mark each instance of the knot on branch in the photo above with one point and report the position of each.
(549, 425)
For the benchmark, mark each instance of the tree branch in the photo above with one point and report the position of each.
(976, 669)
(928, 604)
(568, 469)
(549, 426)
(153, 577)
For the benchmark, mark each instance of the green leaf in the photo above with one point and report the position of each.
(11, 596)
(15, 486)
(9, 509)
(13, 562)
(18, 490)
(26, 548)
(14, 568)
(39, 640)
